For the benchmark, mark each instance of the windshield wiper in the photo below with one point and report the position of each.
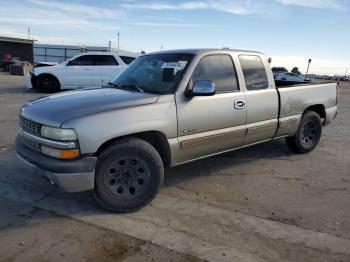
(129, 87)
(112, 85)
(133, 86)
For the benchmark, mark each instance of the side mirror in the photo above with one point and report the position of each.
(202, 88)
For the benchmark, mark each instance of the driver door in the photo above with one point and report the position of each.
(212, 124)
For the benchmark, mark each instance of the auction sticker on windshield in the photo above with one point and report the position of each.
(179, 65)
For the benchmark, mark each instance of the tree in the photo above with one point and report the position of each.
(295, 70)
(279, 69)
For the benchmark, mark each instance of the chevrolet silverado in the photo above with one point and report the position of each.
(166, 109)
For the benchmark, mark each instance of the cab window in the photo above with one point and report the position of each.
(105, 60)
(127, 59)
(220, 70)
(84, 60)
(254, 72)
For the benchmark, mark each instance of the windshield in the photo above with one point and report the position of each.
(153, 73)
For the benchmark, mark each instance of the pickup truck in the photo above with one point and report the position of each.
(166, 109)
(92, 69)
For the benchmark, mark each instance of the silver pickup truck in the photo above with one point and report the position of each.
(164, 110)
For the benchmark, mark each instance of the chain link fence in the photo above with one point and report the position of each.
(60, 53)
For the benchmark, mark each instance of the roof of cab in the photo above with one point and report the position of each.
(196, 51)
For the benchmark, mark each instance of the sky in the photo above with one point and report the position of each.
(288, 31)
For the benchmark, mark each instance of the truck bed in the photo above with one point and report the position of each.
(294, 99)
(285, 84)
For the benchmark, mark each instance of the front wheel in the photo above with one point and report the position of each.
(48, 84)
(129, 175)
(307, 135)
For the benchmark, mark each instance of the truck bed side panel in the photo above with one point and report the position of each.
(294, 101)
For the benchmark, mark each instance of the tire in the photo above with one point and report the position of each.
(307, 135)
(129, 174)
(48, 84)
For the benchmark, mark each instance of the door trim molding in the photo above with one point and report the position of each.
(195, 142)
(259, 127)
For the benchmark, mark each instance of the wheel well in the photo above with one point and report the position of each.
(157, 139)
(319, 109)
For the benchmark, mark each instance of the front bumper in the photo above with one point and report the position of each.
(331, 114)
(69, 175)
(31, 80)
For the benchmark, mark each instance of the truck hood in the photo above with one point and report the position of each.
(56, 109)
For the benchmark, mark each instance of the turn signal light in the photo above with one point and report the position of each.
(60, 153)
(69, 154)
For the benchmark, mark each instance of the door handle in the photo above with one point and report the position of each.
(239, 104)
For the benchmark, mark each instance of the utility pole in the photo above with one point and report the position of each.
(308, 65)
(118, 40)
(109, 46)
(28, 32)
(161, 48)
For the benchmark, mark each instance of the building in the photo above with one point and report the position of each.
(60, 53)
(18, 48)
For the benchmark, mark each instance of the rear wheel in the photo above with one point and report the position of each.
(129, 174)
(48, 84)
(307, 135)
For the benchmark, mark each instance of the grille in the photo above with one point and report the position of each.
(30, 125)
(31, 144)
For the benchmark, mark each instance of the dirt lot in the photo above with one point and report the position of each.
(256, 204)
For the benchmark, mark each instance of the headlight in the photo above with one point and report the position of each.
(58, 133)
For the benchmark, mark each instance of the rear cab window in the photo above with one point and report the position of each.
(219, 69)
(254, 72)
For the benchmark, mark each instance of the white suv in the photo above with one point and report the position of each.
(93, 69)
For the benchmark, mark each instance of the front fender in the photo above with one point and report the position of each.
(96, 129)
(50, 70)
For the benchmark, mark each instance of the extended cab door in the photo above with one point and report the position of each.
(79, 72)
(261, 97)
(211, 124)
